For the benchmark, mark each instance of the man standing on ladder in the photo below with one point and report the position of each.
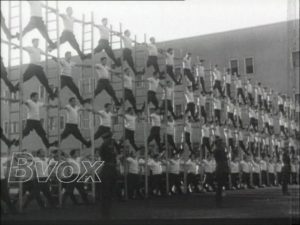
(187, 70)
(155, 118)
(169, 54)
(68, 33)
(36, 21)
(154, 83)
(66, 78)
(103, 43)
(72, 123)
(167, 99)
(35, 68)
(190, 103)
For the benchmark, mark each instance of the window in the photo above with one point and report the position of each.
(249, 65)
(51, 123)
(234, 66)
(6, 127)
(178, 109)
(84, 121)
(295, 58)
(14, 127)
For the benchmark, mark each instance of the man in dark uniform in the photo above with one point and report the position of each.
(108, 175)
(222, 169)
(285, 172)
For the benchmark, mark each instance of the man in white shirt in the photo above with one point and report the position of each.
(155, 118)
(205, 133)
(35, 69)
(103, 43)
(170, 133)
(234, 172)
(128, 91)
(130, 127)
(36, 21)
(217, 80)
(187, 70)
(33, 121)
(201, 73)
(228, 82)
(72, 123)
(127, 52)
(190, 102)
(104, 80)
(202, 103)
(133, 176)
(153, 84)
(169, 55)
(167, 99)
(68, 32)
(188, 133)
(239, 87)
(250, 92)
(153, 57)
(217, 110)
(230, 110)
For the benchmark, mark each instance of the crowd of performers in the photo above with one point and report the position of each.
(257, 126)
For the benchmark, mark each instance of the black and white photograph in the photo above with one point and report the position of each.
(150, 112)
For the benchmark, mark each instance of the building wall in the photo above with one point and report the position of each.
(266, 44)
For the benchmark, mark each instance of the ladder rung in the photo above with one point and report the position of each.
(87, 40)
(51, 21)
(15, 6)
(14, 17)
(14, 58)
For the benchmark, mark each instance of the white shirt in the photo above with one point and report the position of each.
(280, 100)
(170, 128)
(104, 32)
(169, 59)
(263, 165)
(245, 167)
(72, 114)
(208, 166)
(205, 131)
(75, 164)
(228, 78)
(128, 82)
(189, 96)
(152, 50)
(33, 109)
(256, 168)
(202, 100)
(188, 127)
(156, 167)
(153, 84)
(234, 166)
(34, 54)
(102, 71)
(66, 67)
(155, 120)
(201, 71)
(192, 167)
(238, 83)
(271, 168)
(35, 8)
(217, 74)
(217, 104)
(168, 93)
(133, 165)
(278, 167)
(187, 61)
(105, 118)
(68, 23)
(41, 166)
(130, 122)
(127, 42)
(3, 160)
(249, 88)
(174, 166)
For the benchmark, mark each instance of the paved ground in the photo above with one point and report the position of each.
(259, 206)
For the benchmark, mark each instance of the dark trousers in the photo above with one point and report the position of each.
(228, 90)
(190, 76)
(156, 182)
(285, 178)
(5, 196)
(235, 180)
(129, 135)
(169, 107)
(202, 84)
(221, 180)
(191, 107)
(70, 186)
(240, 92)
(264, 177)
(37, 126)
(38, 71)
(279, 178)
(192, 179)
(256, 179)
(128, 95)
(155, 135)
(283, 130)
(133, 184)
(153, 61)
(246, 179)
(175, 181)
(218, 115)
(218, 86)
(108, 177)
(104, 84)
(281, 109)
(170, 72)
(203, 114)
(188, 140)
(68, 36)
(205, 144)
(101, 130)
(251, 99)
(259, 101)
(127, 57)
(171, 141)
(104, 45)
(231, 117)
(240, 122)
(151, 96)
(38, 23)
(253, 124)
(209, 179)
(231, 144)
(74, 130)
(32, 187)
(272, 179)
(66, 81)
(242, 146)
(4, 77)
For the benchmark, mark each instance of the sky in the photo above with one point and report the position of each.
(168, 20)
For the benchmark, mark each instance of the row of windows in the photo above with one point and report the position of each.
(249, 66)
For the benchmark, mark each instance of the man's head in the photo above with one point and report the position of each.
(74, 153)
(72, 101)
(107, 107)
(201, 61)
(130, 110)
(34, 96)
(104, 21)
(127, 33)
(35, 42)
(152, 40)
(68, 55)
(170, 50)
(69, 11)
(103, 60)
